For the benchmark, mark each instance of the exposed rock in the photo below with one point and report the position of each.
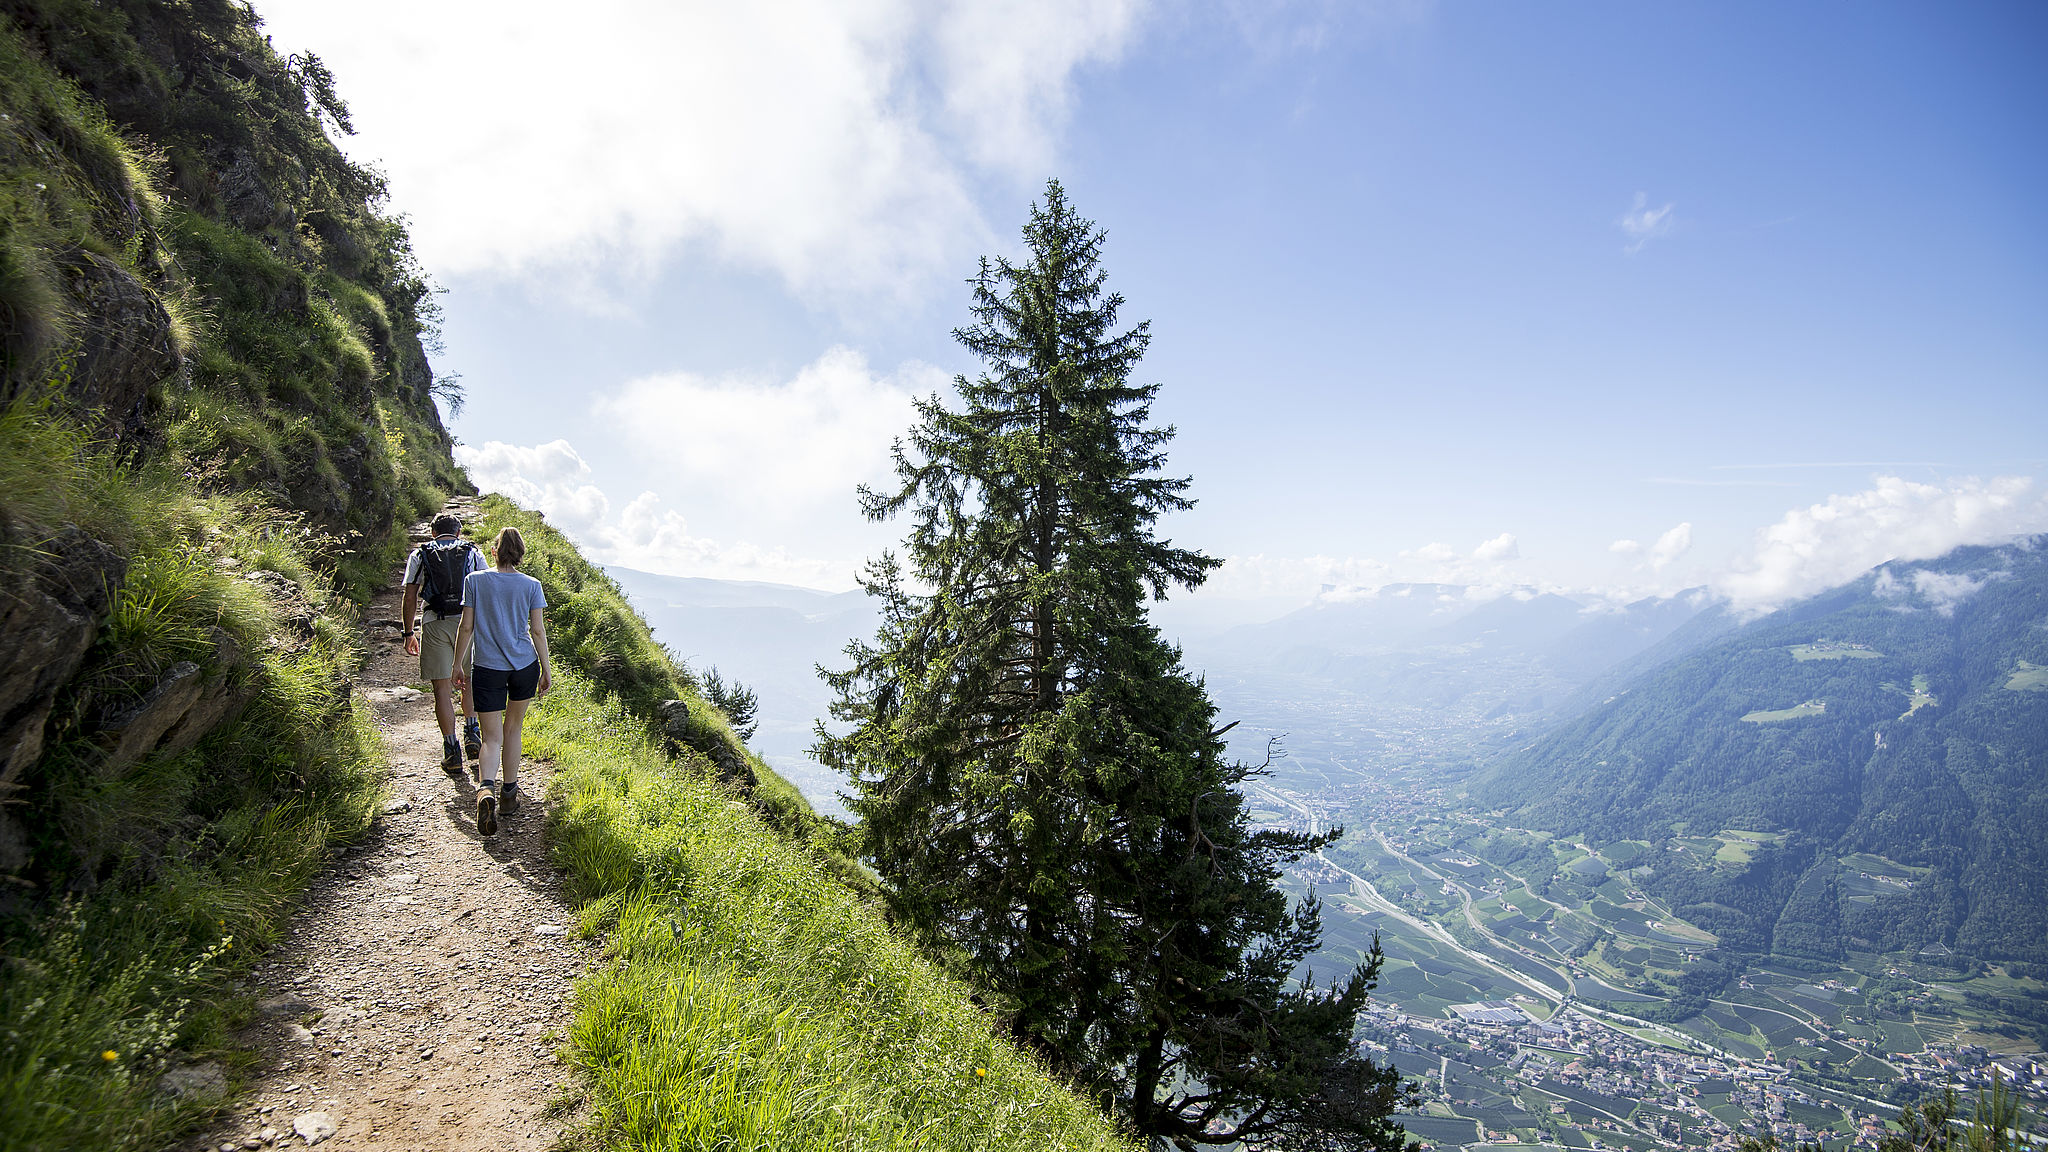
(275, 1006)
(295, 612)
(249, 202)
(194, 1081)
(127, 348)
(313, 1127)
(47, 625)
(685, 730)
(135, 730)
(48, 622)
(220, 700)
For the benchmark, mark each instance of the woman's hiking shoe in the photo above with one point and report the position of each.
(508, 800)
(451, 754)
(472, 740)
(487, 809)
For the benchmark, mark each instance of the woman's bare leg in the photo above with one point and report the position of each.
(514, 718)
(493, 725)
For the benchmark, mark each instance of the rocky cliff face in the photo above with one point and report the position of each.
(205, 311)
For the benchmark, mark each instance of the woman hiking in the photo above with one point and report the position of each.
(502, 609)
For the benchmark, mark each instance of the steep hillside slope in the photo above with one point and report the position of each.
(215, 420)
(1904, 716)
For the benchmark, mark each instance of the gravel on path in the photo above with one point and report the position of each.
(419, 995)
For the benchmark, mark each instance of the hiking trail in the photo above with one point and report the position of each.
(416, 1001)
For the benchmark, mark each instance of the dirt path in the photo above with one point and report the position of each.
(419, 995)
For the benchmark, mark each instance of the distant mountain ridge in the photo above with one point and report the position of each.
(771, 637)
(1903, 715)
(1521, 653)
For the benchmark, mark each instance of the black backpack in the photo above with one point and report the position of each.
(443, 565)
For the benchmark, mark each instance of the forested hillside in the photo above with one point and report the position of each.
(1895, 730)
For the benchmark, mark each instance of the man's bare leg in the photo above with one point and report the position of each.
(444, 705)
(472, 736)
(444, 713)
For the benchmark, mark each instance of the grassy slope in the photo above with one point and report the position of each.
(183, 868)
(752, 1000)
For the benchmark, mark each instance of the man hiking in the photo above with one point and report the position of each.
(434, 574)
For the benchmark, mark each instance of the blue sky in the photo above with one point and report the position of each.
(1615, 297)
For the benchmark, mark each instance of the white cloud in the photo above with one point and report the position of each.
(837, 144)
(1830, 543)
(1625, 547)
(1486, 572)
(1247, 577)
(1643, 223)
(553, 479)
(1500, 548)
(754, 459)
(779, 453)
(1939, 592)
(1670, 546)
(1944, 590)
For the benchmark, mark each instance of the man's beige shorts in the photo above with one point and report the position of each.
(437, 647)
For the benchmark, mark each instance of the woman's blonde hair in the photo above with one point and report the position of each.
(510, 547)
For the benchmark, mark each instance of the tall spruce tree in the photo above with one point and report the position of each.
(1038, 778)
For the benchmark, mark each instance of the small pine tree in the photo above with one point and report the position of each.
(736, 700)
(1038, 778)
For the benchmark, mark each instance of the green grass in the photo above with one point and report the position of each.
(750, 1000)
(1739, 847)
(1826, 650)
(1780, 715)
(295, 436)
(2027, 678)
(1921, 697)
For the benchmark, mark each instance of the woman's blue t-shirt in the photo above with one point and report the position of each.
(504, 603)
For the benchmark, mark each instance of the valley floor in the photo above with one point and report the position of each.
(419, 997)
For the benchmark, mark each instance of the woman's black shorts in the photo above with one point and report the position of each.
(491, 686)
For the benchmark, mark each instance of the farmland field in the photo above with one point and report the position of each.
(1780, 715)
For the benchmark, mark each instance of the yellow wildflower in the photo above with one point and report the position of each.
(110, 1055)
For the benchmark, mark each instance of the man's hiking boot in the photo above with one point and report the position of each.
(472, 740)
(451, 754)
(508, 800)
(487, 809)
